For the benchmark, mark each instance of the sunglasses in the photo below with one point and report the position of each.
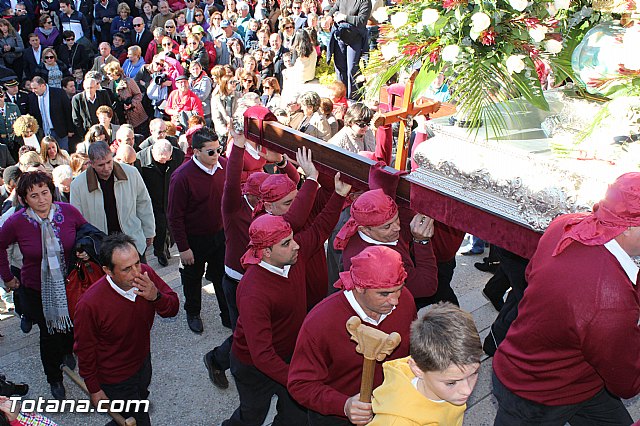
(249, 80)
(167, 44)
(199, 15)
(49, 57)
(138, 25)
(267, 87)
(169, 26)
(49, 22)
(70, 39)
(212, 152)
(288, 27)
(362, 124)
(295, 7)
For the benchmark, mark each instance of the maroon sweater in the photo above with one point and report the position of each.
(112, 334)
(326, 369)
(194, 202)
(236, 213)
(422, 278)
(26, 232)
(577, 327)
(273, 307)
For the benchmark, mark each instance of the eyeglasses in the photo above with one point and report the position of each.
(362, 124)
(167, 44)
(249, 80)
(70, 39)
(212, 152)
(267, 87)
(288, 27)
(295, 7)
(49, 22)
(49, 57)
(138, 25)
(169, 26)
(199, 15)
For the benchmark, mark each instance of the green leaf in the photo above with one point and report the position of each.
(423, 80)
(529, 86)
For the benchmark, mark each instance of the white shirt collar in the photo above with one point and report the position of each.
(252, 151)
(627, 263)
(204, 168)
(370, 240)
(129, 294)
(283, 272)
(248, 203)
(361, 313)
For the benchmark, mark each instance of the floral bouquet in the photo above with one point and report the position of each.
(490, 51)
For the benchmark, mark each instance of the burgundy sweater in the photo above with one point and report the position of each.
(326, 369)
(236, 213)
(272, 307)
(194, 202)
(577, 327)
(112, 334)
(422, 278)
(26, 232)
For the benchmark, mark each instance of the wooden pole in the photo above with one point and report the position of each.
(118, 418)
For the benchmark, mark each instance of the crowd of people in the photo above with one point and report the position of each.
(121, 124)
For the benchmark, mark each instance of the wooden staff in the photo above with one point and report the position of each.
(374, 345)
(118, 418)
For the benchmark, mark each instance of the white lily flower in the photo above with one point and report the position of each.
(390, 50)
(480, 21)
(380, 14)
(553, 46)
(519, 5)
(538, 33)
(562, 4)
(399, 19)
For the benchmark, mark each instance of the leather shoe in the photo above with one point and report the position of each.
(487, 266)
(216, 375)
(497, 302)
(195, 323)
(70, 361)
(472, 253)
(25, 324)
(162, 260)
(58, 391)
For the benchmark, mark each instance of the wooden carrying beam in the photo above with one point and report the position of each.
(354, 168)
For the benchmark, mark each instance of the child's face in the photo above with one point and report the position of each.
(287, 62)
(454, 384)
(257, 55)
(253, 26)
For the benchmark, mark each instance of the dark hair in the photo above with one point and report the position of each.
(121, 36)
(202, 136)
(30, 179)
(66, 34)
(68, 2)
(357, 112)
(113, 242)
(302, 44)
(66, 81)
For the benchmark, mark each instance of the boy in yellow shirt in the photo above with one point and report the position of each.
(432, 385)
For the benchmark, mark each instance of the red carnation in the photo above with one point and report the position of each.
(434, 56)
(452, 4)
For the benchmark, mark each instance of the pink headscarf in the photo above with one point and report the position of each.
(264, 232)
(374, 267)
(372, 208)
(619, 210)
(252, 185)
(274, 188)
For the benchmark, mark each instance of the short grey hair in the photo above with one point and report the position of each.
(98, 150)
(242, 5)
(61, 173)
(162, 146)
(311, 99)
(158, 31)
(123, 131)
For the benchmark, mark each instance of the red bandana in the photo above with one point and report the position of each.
(374, 267)
(264, 232)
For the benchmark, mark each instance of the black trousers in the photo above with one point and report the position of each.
(53, 346)
(221, 354)
(513, 267)
(444, 293)
(317, 419)
(208, 250)
(161, 240)
(135, 387)
(602, 409)
(255, 390)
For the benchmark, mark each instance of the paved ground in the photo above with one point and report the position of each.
(181, 392)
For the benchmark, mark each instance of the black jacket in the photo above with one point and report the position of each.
(43, 72)
(59, 111)
(145, 39)
(80, 111)
(21, 99)
(29, 59)
(75, 58)
(157, 183)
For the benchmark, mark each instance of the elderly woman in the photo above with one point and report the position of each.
(271, 93)
(46, 235)
(52, 69)
(48, 34)
(356, 136)
(52, 155)
(128, 95)
(134, 62)
(314, 122)
(202, 86)
(97, 132)
(27, 132)
(171, 31)
(12, 47)
(287, 31)
(123, 23)
(62, 177)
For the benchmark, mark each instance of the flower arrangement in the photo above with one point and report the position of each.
(490, 51)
